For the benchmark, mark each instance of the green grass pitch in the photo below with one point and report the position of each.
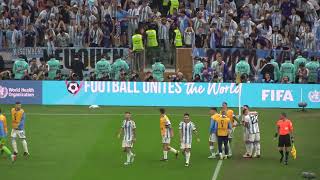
(74, 142)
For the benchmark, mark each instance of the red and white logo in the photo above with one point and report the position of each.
(74, 87)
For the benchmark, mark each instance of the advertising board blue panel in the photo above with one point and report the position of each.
(27, 92)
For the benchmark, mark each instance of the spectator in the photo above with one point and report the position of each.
(197, 78)
(312, 67)
(78, 67)
(302, 74)
(53, 66)
(63, 39)
(158, 70)
(220, 68)
(287, 70)
(103, 69)
(34, 69)
(30, 36)
(267, 78)
(242, 67)
(268, 68)
(20, 68)
(198, 67)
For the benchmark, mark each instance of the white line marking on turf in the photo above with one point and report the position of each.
(217, 170)
(105, 114)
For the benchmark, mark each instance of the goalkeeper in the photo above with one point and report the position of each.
(3, 135)
(285, 132)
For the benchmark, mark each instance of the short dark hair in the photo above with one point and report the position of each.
(214, 108)
(246, 106)
(284, 114)
(127, 112)
(186, 114)
(18, 102)
(224, 103)
(162, 110)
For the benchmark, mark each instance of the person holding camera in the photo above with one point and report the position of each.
(77, 67)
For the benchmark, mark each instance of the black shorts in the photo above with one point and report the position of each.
(284, 140)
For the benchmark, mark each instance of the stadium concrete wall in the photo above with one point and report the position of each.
(115, 93)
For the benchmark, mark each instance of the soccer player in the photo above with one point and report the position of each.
(285, 132)
(166, 134)
(18, 123)
(223, 127)
(253, 133)
(234, 121)
(128, 129)
(3, 135)
(212, 135)
(186, 129)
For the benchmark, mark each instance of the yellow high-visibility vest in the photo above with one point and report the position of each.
(137, 43)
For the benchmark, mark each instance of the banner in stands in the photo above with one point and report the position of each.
(179, 94)
(27, 92)
(89, 56)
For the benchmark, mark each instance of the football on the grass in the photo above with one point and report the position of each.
(73, 87)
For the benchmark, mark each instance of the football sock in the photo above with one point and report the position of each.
(128, 157)
(281, 152)
(247, 147)
(287, 155)
(172, 150)
(14, 145)
(250, 148)
(25, 145)
(212, 150)
(257, 147)
(188, 154)
(229, 148)
(6, 150)
(165, 154)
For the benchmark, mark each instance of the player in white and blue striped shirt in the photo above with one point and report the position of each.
(186, 129)
(128, 129)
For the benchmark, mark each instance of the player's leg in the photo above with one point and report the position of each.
(280, 147)
(287, 148)
(23, 139)
(14, 141)
(164, 149)
(229, 142)
(257, 145)
(226, 147)
(128, 156)
(220, 146)
(188, 154)
(212, 139)
(6, 150)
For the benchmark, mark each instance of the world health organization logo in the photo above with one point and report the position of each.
(314, 96)
(3, 92)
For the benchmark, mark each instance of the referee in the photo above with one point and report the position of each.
(285, 132)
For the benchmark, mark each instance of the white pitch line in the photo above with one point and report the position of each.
(217, 170)
(106, 114)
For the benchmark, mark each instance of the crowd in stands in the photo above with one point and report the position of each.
(262, 24)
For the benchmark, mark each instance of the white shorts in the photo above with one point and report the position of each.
(18, 133)
(127, 144)
(166, 140)
(254, 137)
(213, 137)
(245, 136)
(185, 146)
(231, 133)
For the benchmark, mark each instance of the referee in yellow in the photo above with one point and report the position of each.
(285, 132)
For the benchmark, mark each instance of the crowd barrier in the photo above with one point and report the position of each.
(159, 94)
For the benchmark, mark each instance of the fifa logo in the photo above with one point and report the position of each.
(3, 92)
(314, 96)
(276, 95)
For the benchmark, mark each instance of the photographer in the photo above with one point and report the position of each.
(148, 77)
(134, 77)
(177, 77)
(5, 75)
(78, 67)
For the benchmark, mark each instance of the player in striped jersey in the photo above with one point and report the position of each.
(212, 135)
(166, 134)
(186, 129)
(234, 121)
(128, 129)
(251, 124)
